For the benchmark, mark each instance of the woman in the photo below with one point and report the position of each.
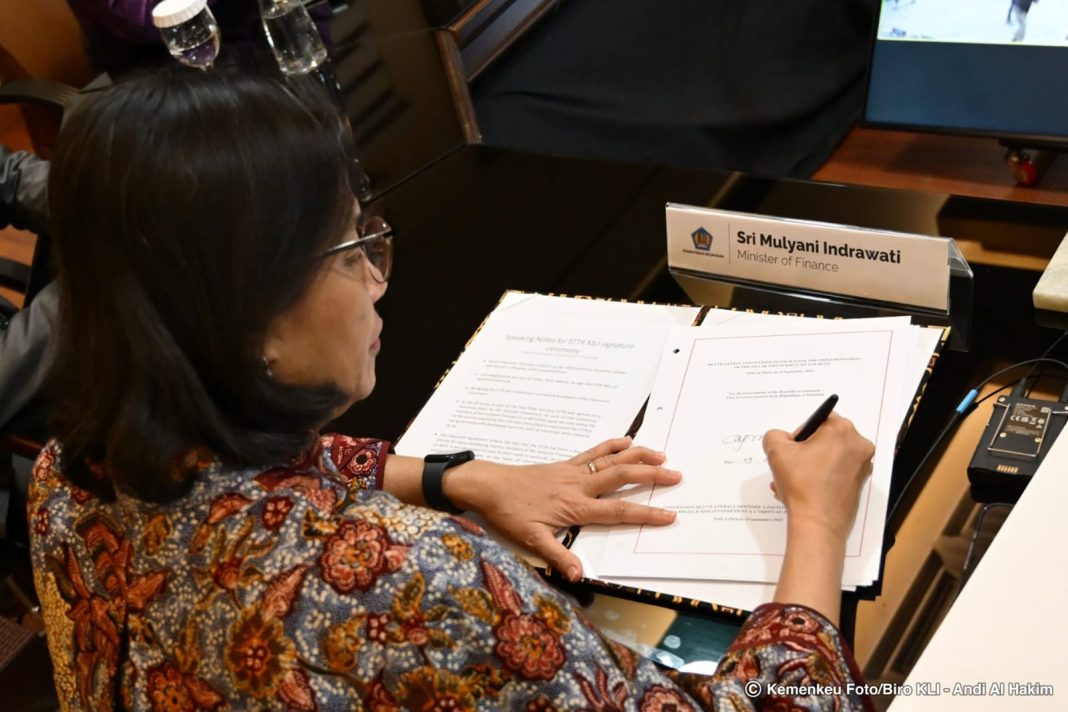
(197, 544)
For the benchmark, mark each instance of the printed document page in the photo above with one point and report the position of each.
(747, 595)
(717, 392)
(545, 379)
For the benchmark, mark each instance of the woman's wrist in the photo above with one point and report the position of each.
(816, 527)
(812, 568)
(467, 485)
(811, 535)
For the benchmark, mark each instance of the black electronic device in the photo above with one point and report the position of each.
(962, 67)
(1017, 436)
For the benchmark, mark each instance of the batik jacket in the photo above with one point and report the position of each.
(305, 587)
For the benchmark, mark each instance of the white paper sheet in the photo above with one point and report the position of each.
(545, 379)
(747, 595)
(716, 393)
(534, 385)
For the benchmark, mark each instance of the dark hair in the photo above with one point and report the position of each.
(187, 208)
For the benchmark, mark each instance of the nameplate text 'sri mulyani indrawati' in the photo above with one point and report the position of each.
(870, 264)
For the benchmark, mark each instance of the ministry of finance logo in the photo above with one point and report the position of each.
(705, 245)
(702, 239)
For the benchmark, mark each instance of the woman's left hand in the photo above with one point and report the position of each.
(530, 504)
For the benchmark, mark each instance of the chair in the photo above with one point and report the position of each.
(24, 435)
(488, 28)
(41, 57)
(38, 39)
(476, 38)
(42, 103)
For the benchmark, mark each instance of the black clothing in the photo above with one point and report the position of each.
(763, 86)
(26, 341)
(23, 190)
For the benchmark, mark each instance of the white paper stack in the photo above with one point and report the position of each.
(548, 377)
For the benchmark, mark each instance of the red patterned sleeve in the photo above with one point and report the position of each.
(785, 657)
(359, 461)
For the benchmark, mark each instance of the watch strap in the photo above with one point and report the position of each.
(434, 467)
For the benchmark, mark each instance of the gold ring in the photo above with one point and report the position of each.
(592, 467)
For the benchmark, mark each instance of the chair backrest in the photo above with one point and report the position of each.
(39, 40)
(472, 41)
(488, 28)
(41, 60)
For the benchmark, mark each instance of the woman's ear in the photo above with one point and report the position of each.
(274, 348)
(282, 346)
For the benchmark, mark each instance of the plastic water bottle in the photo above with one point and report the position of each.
(299, 50)
(189, 31)
(293, 37)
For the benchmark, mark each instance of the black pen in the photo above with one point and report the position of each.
(816, 419)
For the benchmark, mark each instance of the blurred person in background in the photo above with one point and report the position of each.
(25, 334)
(762, 86)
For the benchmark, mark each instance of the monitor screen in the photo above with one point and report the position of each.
(988, 67)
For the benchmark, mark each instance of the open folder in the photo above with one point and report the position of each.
(546, 377)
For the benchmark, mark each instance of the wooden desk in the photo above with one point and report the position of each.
(1008, 624)
(936, 163)
(963, 166)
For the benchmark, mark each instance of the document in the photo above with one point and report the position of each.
(547, 377)
(589, 546)
(544, 379)
(716, 393)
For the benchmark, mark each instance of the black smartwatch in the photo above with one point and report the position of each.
(434, 467)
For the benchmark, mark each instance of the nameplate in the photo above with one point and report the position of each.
(869, 264)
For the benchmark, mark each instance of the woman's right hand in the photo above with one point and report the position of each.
(819, 480)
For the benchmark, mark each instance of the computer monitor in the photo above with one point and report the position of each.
(983, 67)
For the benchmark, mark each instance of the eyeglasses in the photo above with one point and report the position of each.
(376, 240)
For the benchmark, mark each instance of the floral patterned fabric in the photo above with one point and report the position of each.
(304, 588)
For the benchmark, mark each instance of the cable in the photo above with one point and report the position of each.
(954, 419)
(1010, 384)
(993, 393)
(965, 572)
(1028, 384)
(1046, 353)
(969, 399)
(1040, 359)
(963, 408)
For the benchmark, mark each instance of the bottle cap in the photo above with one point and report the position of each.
(174, 12)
